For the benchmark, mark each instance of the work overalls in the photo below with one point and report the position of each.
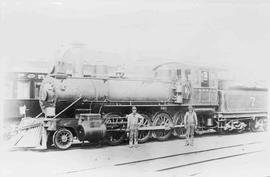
(190, 121)
(133, 120)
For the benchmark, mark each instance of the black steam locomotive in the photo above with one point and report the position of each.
(93, 108)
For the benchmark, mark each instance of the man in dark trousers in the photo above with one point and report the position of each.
(132, 127)
(191, 122)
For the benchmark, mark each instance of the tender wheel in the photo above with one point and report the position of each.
(144, 135)
(178, 119)
(257, 125)
(240, 131)
(265, 125)
(114, 138)
(252, 125)
(63, 139)
(162, 119)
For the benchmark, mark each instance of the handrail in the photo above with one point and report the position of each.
(210, 88)
(38, 115)
(67, 108)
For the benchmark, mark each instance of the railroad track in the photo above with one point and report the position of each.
(208, 160)
(175, 161)
(180, 160)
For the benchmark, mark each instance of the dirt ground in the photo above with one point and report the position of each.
(104, 161)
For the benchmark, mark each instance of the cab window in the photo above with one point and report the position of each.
(178, 74)
(187, 74)
(205, 79)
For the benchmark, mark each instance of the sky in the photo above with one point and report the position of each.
(234, 34)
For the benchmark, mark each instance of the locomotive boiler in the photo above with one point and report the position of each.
(110, 97)
(55, 90)
(93, 108)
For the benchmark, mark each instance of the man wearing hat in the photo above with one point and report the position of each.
(190, 122)
(132, 126)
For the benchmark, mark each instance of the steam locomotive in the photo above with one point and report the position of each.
(93, 108)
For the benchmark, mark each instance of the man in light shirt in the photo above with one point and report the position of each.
(132, 127)
(190, 122)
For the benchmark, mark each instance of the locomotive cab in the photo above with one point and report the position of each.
(197, 86)
(193, 85)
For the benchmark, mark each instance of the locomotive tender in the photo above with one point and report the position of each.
(94, 108)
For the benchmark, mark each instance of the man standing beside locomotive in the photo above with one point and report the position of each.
(132, 127)
(190, 122)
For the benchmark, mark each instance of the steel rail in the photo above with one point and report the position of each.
(186, 153)
(208, 160)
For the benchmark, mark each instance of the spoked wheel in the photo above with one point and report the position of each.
(112, 122)
(241, 130)
(162, 119)
(144, 135)
(178, 119)
(257, 125)
(63, 139)
(265, 125)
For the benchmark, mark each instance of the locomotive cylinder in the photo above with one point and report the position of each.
(91, 127)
